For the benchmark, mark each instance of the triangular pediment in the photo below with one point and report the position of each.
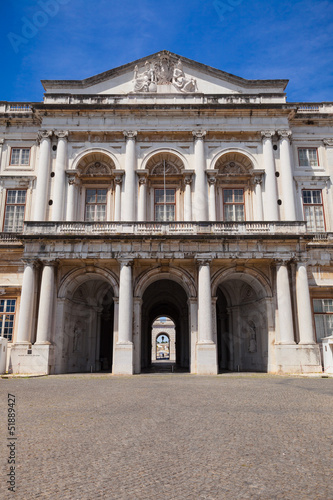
(164, 73)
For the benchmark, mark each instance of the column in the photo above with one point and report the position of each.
(142, 208)
(43, 175)
(117, 201)
(27, 304)
(46, 304)
(287, 179)
(206, 348)
(188, 198)
(71, 201)
(258, 195)
(271, 196)
(284, 305)
(1, 146)
(304, 309)
(212, 197)
(123, 353)
(129, 185)
(200, 208)
(60, 176)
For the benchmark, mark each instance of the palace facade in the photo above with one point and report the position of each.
(166, 188)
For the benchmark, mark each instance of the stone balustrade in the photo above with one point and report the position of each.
(162, 228)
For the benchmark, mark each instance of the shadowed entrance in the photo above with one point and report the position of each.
(165, 298)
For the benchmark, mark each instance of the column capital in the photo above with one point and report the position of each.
(328, 142)
(49, 262)
(61, 134)
(143, 180)
(44, 134)
(199, 134)
(30, 262)
(203, 260)
(130, 134)
(267, 134)
(2, 142)
(211, 180)
(124, 261)
(284, 134)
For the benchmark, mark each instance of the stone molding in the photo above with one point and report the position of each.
(328, 142)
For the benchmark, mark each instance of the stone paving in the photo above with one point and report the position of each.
(170, 436)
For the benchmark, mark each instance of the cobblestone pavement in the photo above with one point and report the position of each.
(170, 436)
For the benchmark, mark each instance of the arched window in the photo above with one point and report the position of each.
(165, 186)
(235, 187)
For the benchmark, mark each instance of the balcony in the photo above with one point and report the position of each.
(104, 229)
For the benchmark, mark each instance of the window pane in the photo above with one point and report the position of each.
(227, 196)
(90, 213)
(159, 195)
(170, 212)
(238, 195)
(316, 197)
(228, 213)
(170, 195)
(239, 210)
(25, 156)
(307, 198)
(320, 326)
(15, 160)
(101, 195)
(318, 305)
(159, 213)
(91, 195)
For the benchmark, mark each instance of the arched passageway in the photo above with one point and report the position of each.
(242, 327)
(88, 327)
(165, 298)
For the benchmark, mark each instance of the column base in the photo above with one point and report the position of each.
(39, 360)
(123, 359)
(298, 358)
(206, 359)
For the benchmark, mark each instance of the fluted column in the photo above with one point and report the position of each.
(71, 198)
(117, 202)
(46, 304)
(212, 198)
(43, 175)
(142, 208)
(129, 184)
(26, 304)
(200, 207)
(271, 211)
(287, 180)
(304, 309)
(284, 305)
(60, 177)
(258, 195)
(205, 325)
(125, 302)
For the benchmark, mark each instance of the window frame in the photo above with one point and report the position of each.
(314, 205)
(11, 205)
(162, 204)
(233, 188)
(325, 314)
(96, 188)
(3, 314)
(308, 149)
(20, 164)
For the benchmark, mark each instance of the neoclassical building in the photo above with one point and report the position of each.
(165, 188)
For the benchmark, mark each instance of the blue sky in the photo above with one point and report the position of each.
(252, 39)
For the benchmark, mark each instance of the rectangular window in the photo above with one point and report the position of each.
(95, 205)
(20, 156)
(323, 314)
(313, 210)
(7, 316)
(14, 211)
(308, 157)
(233, 205)
(165, 205)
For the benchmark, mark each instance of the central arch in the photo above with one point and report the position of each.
(165, 298)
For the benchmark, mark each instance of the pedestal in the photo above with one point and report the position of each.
(39, 360)
(123, 359)
(298, 359)
(206, 359)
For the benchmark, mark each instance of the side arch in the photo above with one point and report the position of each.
(240, 151)
(154, 152)
(92, 151)
(74, 278)
(183, 278)
(256, 279)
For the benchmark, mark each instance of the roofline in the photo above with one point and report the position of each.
(101, 77)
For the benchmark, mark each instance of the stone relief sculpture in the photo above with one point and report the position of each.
(162, 71)
(253, 337)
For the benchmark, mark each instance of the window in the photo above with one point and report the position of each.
(7, 316)
(308, 157)
(14, 211)
(95, 205)
(165, 204)
(233, 205)
(313, 210)
(323, 314)
(20, 156)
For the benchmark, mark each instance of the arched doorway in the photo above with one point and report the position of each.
(88, 327)
(242, 325)
(165, 298)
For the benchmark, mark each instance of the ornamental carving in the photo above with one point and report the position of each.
(233, 168)
(163, 71)
(44, 134)
(98, 168)
(164, 167)
(328, 142)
